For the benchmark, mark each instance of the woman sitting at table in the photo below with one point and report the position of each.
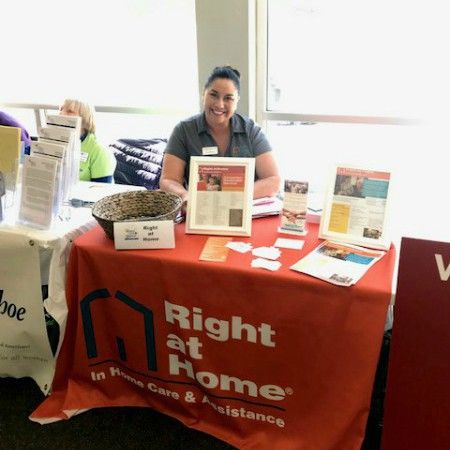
(219, 131)
(97, 163)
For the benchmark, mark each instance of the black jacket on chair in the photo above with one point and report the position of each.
(139, 161)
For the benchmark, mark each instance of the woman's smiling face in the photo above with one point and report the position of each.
(220, 101)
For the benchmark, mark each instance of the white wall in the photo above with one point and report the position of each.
(225, 35)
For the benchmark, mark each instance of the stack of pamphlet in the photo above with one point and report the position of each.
(266, 206)
(50, 171)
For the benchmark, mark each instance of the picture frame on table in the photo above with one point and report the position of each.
(356, 207)
(220, 196)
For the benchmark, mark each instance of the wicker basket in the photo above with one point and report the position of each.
(135, 206)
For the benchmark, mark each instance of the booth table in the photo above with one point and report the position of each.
(260, 359)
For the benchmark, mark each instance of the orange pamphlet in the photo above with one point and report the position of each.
(215, 250)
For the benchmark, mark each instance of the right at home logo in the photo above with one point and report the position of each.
(185, 352)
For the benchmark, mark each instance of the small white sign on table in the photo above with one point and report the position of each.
(144, 235)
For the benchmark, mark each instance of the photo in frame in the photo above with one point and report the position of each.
(220, 196)
(356, 207)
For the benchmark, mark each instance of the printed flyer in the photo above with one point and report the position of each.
(220, 196)
(356, 208)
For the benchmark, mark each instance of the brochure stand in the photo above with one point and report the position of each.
(50, 172)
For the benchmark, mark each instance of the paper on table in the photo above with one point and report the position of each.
(267, 252)
(265, 264)
(241, 247)
(215, 249)
(295, 244)
(337, 263)
(266, 206)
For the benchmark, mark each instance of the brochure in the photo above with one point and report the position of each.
(68, 127)
(356, 207)
(39, 190)
(293, 217)
(44, 147)
(215, 249)
(338, 263)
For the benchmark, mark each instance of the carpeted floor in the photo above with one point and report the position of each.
(103, 428)
(130, 428)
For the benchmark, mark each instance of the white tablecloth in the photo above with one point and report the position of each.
(30, 258)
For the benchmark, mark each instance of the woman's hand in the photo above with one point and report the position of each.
(172, 175)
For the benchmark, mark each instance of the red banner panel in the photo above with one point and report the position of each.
(417, 405)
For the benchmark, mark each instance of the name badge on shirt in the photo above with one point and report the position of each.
(83, 156)
(210, 151)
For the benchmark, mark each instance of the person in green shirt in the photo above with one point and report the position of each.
(97, 163)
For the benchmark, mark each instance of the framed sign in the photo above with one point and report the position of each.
(356, 206)
(220, 196)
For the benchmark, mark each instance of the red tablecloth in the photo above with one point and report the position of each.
(260, 359)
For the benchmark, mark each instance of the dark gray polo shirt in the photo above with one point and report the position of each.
(191, 135)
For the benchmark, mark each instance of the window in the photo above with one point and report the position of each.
(362, 83)
(357, 57)
(121, 53)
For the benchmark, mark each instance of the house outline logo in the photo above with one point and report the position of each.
(89, 329)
